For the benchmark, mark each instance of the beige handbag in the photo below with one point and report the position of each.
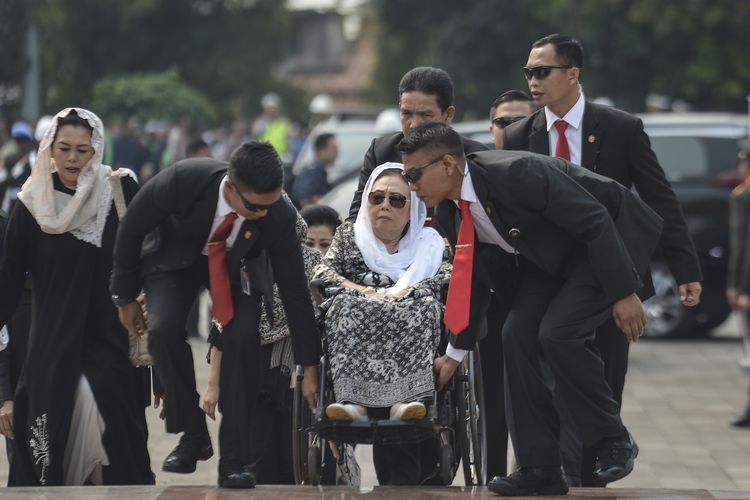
(139, 355)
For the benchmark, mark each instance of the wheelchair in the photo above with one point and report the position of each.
(455, 419)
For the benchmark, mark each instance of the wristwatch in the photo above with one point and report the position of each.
(121, 301)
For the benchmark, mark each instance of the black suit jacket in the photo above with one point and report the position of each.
(383, 150)
(176, 210)
(613, 144)
(557, 210)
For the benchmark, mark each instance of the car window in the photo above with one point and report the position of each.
(686, 159)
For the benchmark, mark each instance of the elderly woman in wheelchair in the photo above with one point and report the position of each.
(383, 325)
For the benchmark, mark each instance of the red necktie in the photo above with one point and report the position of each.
(562, 150)
(459, 290)
(218, 273)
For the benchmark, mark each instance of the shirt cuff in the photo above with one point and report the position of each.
(455, 354)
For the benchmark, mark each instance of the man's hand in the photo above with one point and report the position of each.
(6, 420)
(210, 400)
(690, 294)
(630, 317)
(732, 295)
(131, 317)
(310, 386)
(444, 368)
(743, 302)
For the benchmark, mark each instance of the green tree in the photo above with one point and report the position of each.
(223, 48)
(160, 96)
(691, 50)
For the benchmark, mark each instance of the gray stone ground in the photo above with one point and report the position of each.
(677, 401)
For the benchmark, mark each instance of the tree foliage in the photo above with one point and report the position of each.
(223, 48)
(691, 50)
(160, 96)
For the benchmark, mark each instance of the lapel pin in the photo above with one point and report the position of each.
(248, 234)
(488, 210)
(592, 139)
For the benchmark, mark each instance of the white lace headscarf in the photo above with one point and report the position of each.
(83, 214)
(420, 251)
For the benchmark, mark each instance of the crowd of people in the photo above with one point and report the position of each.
(542, 244)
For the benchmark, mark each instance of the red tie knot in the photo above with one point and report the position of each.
(561, 126)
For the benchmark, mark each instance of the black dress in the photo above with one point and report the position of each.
(74, 331)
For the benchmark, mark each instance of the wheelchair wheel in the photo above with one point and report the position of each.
(447, 459)
(472, 425)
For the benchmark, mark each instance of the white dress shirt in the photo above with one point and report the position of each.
(485, 232)
(573, 133)
(222, 209)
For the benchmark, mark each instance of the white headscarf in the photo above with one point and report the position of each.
(83, 214)
(420, 251)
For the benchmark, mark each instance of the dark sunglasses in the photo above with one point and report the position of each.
(541, 72)
(413, 175)
(504, 121)
(253, 207)
(396, 200)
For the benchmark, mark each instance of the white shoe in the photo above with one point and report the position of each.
(346, 412)
(408, 411)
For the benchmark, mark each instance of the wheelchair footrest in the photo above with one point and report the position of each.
(376, 431)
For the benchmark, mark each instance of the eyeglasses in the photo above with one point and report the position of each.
(504, 121)
(541, 72)
(413, 175)
(396, 200)
(253, 207)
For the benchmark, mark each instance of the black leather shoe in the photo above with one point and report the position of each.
(233, 475)
(237, 479)
(741, 419)
(530, 481)
(184, 457)
(616, 458)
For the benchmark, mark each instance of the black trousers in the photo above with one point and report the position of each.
(613, 348)
(169, 296)
(270, 425)
(553, 319)
(493, 378)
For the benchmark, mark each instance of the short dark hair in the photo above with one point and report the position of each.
(195, 145)
(255, 166)
(510, 96)
(72, 118)
(321, 215)
(433, 136)
(322, 141)
(431, 81)
(568, 50)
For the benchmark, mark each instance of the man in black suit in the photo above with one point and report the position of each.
(580, 243)
(181, 209)
(611, 143)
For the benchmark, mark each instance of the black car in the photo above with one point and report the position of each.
(698, 152)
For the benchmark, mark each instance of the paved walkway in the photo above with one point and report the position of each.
(677, 401)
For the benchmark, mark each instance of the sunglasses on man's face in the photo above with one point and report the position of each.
(413, 175)
(541, 72)
(394, 199)
(504, 121)
(253, 207)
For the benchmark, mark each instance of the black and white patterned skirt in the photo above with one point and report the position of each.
(382, 352)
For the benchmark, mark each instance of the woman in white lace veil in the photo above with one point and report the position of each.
(77, 416)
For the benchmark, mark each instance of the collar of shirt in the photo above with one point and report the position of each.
(574, 116)
(485, 230)
(222, 209)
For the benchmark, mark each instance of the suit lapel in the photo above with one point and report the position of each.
(539, 138)
(245, 238)
(590, 137)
